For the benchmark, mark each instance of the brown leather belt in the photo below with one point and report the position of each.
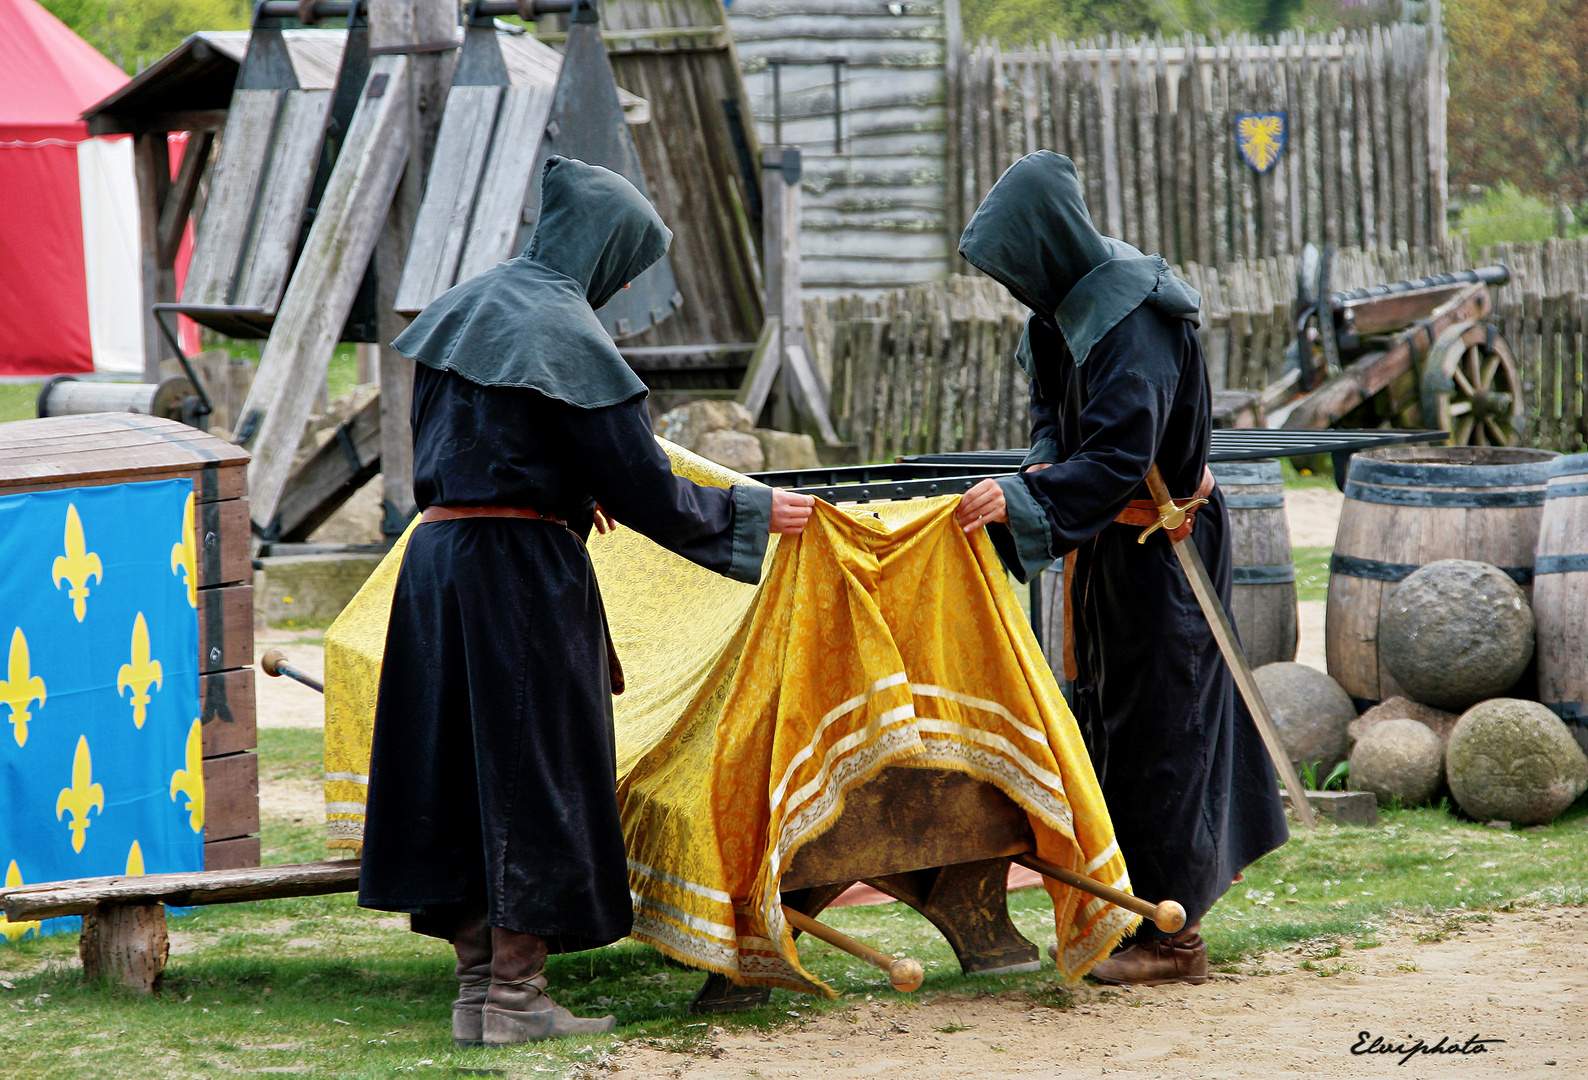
(453, 513)
(1142, 512)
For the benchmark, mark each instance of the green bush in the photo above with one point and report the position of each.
(1506, 215)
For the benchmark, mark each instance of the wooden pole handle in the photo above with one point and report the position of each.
(274, 663)
(1167, 915)
(905, 974)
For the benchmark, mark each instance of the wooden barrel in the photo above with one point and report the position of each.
(1263, 597)
(1409, 506)
(1560, 594)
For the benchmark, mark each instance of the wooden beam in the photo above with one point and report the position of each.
(212, 120)
(335, 256)
(152, 167)
(762, 372)
(178, 204)
(396, 24)
(52, 899)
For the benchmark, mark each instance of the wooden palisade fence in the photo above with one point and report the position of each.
(1151, 126)
(931, 368)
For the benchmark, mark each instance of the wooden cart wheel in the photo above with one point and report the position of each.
(1471, 388)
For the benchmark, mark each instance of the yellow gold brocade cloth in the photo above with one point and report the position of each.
(882, 636)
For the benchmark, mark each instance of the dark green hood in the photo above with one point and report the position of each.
(1032, 235)
(530, 321)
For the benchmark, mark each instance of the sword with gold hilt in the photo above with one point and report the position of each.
(1172, 515)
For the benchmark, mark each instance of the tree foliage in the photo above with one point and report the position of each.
(1015, 22)
(1519, 95)
(135, 33)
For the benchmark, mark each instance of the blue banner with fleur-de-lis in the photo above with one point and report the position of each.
(100, 739)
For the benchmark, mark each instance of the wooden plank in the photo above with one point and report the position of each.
(331, 475)
(182, 890)
(277, 225)
(228, 710)
(327, 277)
(238, 853)
(462, 146)
(223, 543)
(233, 193)
(231, 796)
(226, 628)
(500, 201)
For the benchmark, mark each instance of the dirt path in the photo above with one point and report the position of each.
(1522, 978)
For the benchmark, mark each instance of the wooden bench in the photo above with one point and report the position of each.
(124, 937)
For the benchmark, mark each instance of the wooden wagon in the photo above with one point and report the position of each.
(1411, 354)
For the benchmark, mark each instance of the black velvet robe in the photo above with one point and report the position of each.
(492, 777)
(1189, 785)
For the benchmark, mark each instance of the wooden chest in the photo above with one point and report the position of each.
(116, 448)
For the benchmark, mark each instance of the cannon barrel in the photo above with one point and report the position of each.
(1498, 274)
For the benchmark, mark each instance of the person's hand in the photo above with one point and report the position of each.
(981, 504)
(603, 521)
(790, 512)
(1038, 467)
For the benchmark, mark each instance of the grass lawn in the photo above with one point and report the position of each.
(1312, 572)
(318, 987)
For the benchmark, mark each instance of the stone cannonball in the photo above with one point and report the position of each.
(1455, 633)
(1311, 712)
(1398, 759)
(1513, 760)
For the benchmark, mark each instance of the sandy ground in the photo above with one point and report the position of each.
(1522, 978)
(281, 702)
(1313, 515)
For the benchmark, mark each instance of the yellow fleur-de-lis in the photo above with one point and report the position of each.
(21, 687)
(135, 860)
(14, 931)
(139, 675)
(77, 565)
(84, 795)
(190, 781)
(184, 555)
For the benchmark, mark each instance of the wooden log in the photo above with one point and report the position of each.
(1328, 142)
(125, 944)
(186, 889)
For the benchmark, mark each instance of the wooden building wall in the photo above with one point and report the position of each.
(874, 198)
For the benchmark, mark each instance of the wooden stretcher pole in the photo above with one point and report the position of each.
(905, 974)
(1166, 915)
(274, 663)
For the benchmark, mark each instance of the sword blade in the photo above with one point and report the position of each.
(1213, 608)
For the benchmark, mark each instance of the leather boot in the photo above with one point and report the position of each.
(472, 943)
(1182, 958)
(517, 1007)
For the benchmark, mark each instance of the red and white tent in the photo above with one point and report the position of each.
(71, 292)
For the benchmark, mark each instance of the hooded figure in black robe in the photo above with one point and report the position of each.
(492, 815)
(1118, 382)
